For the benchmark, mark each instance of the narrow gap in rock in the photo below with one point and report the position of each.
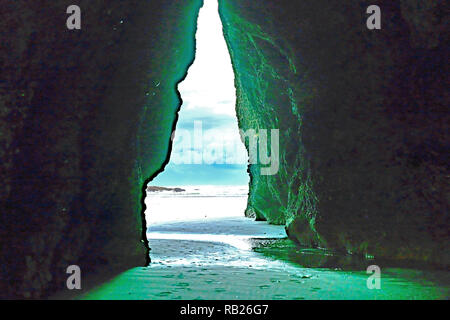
(206, 177)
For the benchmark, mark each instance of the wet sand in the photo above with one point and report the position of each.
(214, 259)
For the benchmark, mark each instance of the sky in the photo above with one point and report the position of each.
(207, 149)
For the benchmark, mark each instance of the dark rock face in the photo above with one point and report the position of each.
(86, 118)
(363, 121)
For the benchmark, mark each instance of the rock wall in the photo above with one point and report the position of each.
(85, 119)
(363, 121)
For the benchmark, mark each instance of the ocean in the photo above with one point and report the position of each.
(195, 203)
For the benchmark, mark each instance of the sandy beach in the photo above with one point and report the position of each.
(215, 257)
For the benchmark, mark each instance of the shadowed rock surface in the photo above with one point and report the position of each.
(363, 121)
(86, 118)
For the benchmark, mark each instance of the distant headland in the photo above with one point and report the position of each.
(159, 189)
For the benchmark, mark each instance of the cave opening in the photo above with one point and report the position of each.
(86, 121)
(206, 176)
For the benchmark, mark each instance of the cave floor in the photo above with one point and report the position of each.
(214, 259)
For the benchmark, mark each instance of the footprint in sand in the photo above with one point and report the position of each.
(169, 276)
(275, 280)
(164, 294)
(182, 284)
(264, 286)
(219, 290)
(296, 281)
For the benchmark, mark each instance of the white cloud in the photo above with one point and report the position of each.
(209, 98)
(210, 79)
